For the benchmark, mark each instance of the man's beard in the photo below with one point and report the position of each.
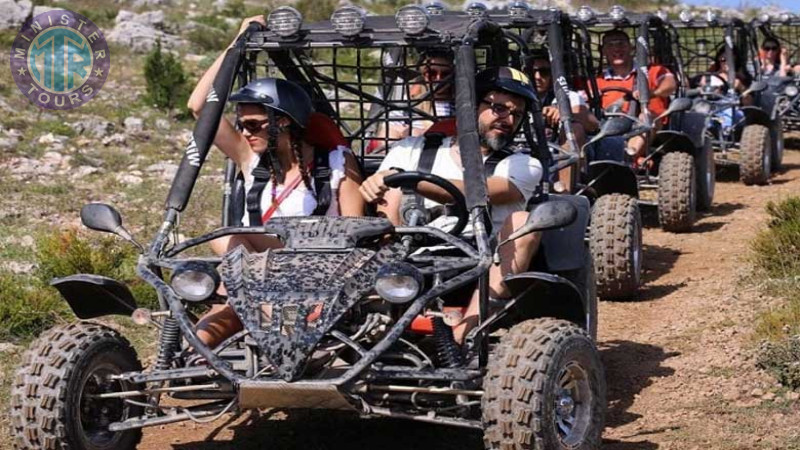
(498, 142)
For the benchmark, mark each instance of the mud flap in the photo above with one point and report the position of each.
(92, 296)
(551, 296)
(613, 177)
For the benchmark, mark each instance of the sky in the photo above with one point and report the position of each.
(793, 5)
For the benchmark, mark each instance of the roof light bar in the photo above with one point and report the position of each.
(285, 21)
(412, 19)
(348, 20)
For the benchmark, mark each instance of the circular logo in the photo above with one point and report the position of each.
(60, 59)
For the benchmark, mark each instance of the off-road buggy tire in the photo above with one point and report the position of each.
(756, 154)
(677, 194)
(778, 146)
(538, 363)
(706, 170)
(48, 386)
(615, 241)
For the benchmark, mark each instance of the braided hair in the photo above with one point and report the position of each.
(296, 135)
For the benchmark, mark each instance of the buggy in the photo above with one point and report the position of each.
(348, 314)
(744, 126)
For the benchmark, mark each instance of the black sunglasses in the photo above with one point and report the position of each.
(252, 126)
(543, 71)
(770, 48)
(502, 111)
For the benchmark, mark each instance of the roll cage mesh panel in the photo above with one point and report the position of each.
(698, 43)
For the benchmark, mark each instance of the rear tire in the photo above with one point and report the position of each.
(544, 389)
(677, 199)
(706, 170)
(615, 240)
(756, 151)
(777, 146)
(51, 407)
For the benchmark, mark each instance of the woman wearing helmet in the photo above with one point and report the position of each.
(276, 163)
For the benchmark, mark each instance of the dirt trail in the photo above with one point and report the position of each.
(678, 369)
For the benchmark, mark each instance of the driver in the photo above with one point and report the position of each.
(617, 49)
(504, 96)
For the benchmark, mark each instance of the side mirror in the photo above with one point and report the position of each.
(614, 126)
(680, 104)
(545, 216)
(757, 86)
(102, 217)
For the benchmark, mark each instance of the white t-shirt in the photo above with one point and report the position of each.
(301, 201)
(522, 170)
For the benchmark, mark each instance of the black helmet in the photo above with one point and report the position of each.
(505, 79)
(283, 96)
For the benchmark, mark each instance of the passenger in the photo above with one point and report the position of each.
(266, 106)
(774, 59)
(435, 68)
(618, 52)
(720, 68)
(504, 95)
(583, 121)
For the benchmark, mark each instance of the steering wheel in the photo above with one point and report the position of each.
(628, 95)
(695, 81)
(410, 180)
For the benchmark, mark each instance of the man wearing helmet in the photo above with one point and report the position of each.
(504, 96)
(276, 164)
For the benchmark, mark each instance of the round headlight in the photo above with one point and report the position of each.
(791, 90)
(398, 282)
(764, 17)
(435, 8)
(348, 21)
(412, 19)
(661, 14)
(519, 9)
(285, 21)
(585, 13)
(785, 17)
(702, 107)
(195, 281)
(617, 12)
(711, 16)
(686, 16)
(477, 9)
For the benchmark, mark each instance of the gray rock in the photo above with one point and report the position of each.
(163, 124)
(139, 32)
(141, 3)
(134, 125)
(13, 13)
(129, 179)
(8, 347)
(42, 9)
(93, 126)
(18, 267)
(83, 171)
(166, 171)
(8, 143)
(114, 139)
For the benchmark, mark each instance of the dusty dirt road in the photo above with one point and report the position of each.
(679, 371)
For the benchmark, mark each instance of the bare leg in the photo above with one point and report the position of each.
(217, 325)
(515, 257)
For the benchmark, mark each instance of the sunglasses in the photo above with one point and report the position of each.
(543, 71)
(252, 126)
(770, 48)
(502, 111)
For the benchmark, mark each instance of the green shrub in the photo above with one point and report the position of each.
(28, 306)
(66, 253)
(782, 360)
(776, 250)
(167, 83)
(209, 38)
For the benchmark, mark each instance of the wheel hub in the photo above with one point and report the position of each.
(565, 405)
(572, 408)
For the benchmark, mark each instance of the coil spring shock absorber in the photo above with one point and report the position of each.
(168, 343)
(447, 351)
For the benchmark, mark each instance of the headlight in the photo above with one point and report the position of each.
(348, 21)
(785, 17)
(764, 17)
(398, 282)
(412, 19)
(285, 21)
(617, 12)
(585, 13)
(663, 15)
(435, 8)
(791, 90)
(519, 9)
(195, 281)
(686, 16)
(702, 107)
(477, 9)
(711, 16)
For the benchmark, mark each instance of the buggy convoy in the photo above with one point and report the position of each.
(364, 325)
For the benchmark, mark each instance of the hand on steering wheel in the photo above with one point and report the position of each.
(629, 96)
(697, 78)
(410, 181)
